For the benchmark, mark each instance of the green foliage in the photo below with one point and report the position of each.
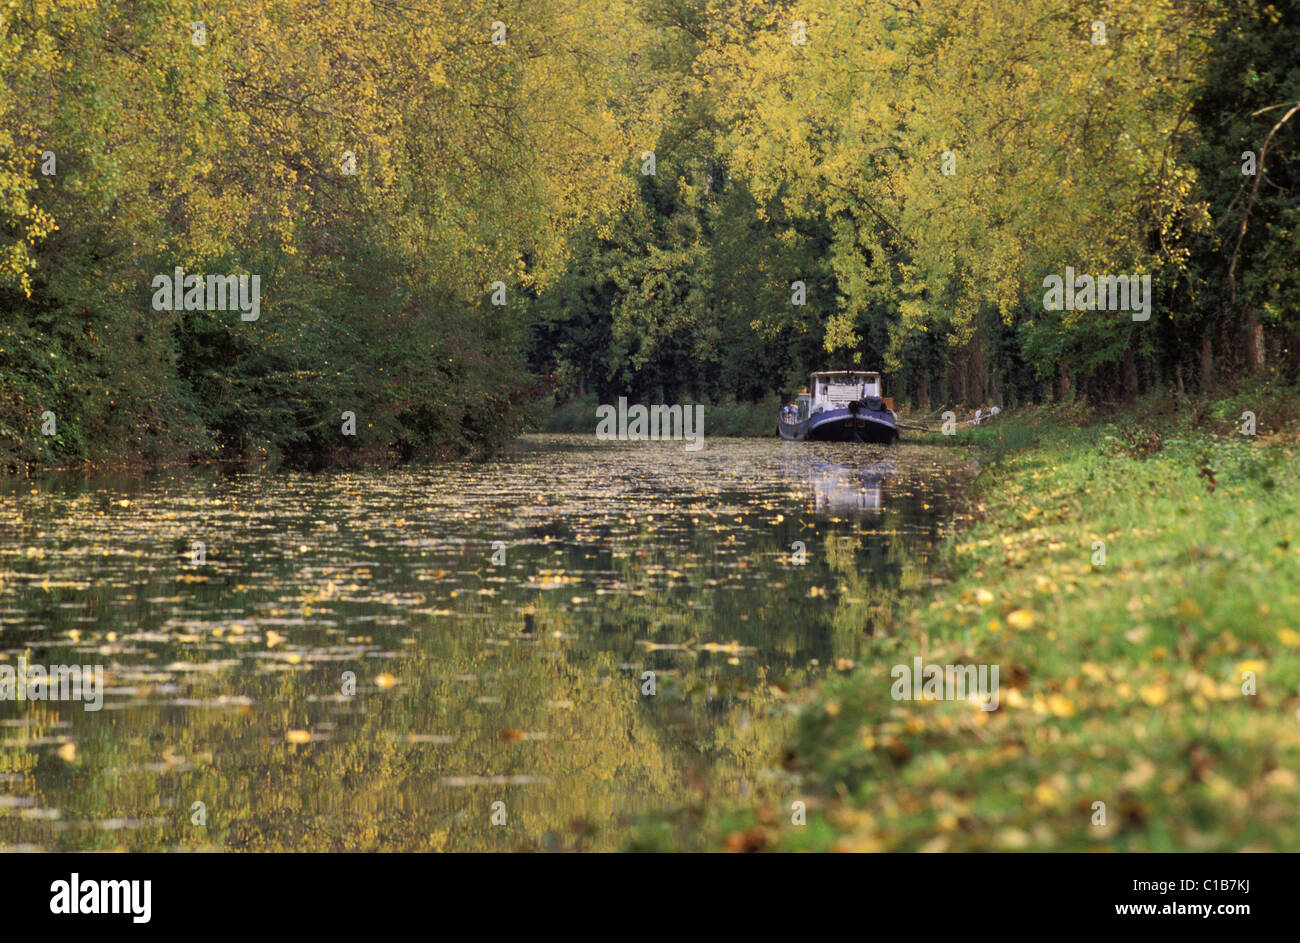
(776, 162)
(1250, 84)
(828, 163)
(474, 163)
(687, 293)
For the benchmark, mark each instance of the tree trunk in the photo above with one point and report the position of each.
(1254, 343)
(952, 384)
(1207, 363)
(976, 374)
(1063, 381)
(1130, 375)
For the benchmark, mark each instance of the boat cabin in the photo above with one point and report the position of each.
(835, 389)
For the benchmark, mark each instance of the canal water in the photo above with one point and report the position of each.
(567, 648)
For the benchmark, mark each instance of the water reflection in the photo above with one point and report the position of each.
(499, 622)
(845, 488)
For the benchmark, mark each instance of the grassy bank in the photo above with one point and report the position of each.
(578, 415)
(1122, 678)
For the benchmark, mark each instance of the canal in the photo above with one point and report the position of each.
(547, 651)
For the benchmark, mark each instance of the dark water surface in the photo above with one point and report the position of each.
(476, 682)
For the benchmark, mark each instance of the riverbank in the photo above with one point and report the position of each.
(725, 419)
(1134, 579)
(578, 415)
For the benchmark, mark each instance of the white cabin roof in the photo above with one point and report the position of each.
(857, 374)
(835, 389)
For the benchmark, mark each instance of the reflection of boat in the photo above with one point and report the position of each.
(844, 406)
(840, 488)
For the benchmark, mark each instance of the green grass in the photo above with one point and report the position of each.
(723, 419)
(574, 415)
(1120, 682)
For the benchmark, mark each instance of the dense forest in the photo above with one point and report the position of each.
(459, 210)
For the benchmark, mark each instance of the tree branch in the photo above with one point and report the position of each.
(1259, 175)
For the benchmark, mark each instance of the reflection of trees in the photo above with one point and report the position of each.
(19, 760)
(607, 754)
(876, 577)
(579, 750)
(879, 573)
